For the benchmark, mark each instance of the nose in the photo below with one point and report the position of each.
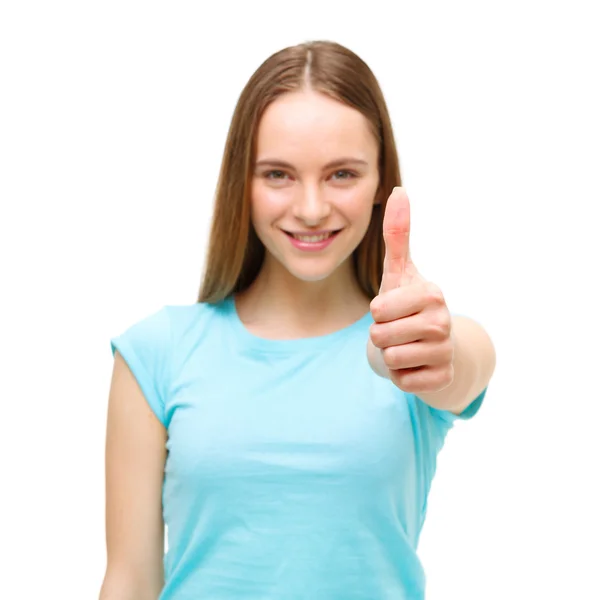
(311, 206)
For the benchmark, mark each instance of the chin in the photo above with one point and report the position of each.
(312, 275)
(310, 269)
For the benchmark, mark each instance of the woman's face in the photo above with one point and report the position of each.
(314, 184)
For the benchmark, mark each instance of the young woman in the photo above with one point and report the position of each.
(285, 427)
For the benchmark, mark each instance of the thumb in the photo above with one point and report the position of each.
(398, 268)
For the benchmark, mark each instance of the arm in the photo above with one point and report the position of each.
(135, 459)
(474, 363)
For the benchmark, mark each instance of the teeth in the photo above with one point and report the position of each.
(312, 238)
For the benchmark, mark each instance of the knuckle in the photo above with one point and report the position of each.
(444, 351)
(403, 381)
(448, 353)
(444, 377)
(434, 294)
(377, 335)
(390, 357)
(407, 386)
(439, 326)
(376, 307)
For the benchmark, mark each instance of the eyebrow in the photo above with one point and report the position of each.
(271, 162)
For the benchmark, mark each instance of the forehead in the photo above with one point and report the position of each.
(307, 125)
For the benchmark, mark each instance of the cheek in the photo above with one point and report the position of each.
(363, 202)
(360, 210)
(267, 203)
(261, 206)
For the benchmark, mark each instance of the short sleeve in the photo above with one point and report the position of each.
(449, 417)
(145, 347)
(431, 428)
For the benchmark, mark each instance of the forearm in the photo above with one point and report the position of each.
(473, 364)
(121, 586)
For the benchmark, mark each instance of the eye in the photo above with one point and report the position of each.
(275, 175)
(344, 174)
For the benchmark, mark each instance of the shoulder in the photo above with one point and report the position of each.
(188, 321)
(155, 331)
(153, 345)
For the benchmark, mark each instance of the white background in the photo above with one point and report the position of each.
(112, 122)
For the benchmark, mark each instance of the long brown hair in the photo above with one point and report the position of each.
(235, 254)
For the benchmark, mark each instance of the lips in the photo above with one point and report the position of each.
(312, 236)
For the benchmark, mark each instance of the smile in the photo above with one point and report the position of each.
(316, 241)
(312, 238)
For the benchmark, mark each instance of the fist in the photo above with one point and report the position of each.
(412, 328)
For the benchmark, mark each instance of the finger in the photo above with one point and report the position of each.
(415, 328)
(418, 354)
(396, 234)
(396, 333)
(400, 302)
(424, 379)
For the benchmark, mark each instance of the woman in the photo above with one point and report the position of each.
(285, 427)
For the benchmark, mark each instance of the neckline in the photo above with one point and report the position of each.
(249, 340)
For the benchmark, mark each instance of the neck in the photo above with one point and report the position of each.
(277, 300)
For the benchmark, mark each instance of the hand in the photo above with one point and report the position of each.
(412, 326)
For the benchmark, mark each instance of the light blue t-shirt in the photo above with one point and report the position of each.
(293, 471)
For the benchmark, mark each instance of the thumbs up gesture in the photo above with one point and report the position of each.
(412, 328)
